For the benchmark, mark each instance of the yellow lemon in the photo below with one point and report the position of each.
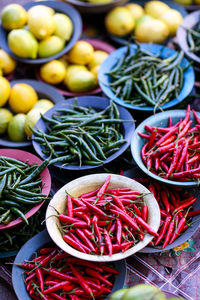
(7, 63)
(31, 119)
(41, 24)
(16, 130)
(173, 19)
(41, 8)
(119, 21)
(50, 46)
(155, 8)
(13, 16)
(136, 10)
(187, 2)
(82, 81)
(64, 26)
(81, 53)
(143, 19)
(72, 69)
(4, 91)
(1, 72)
(22, 98)
(23, 43)
(98, 57)
(95, 71)
(155, 31)
(63, 60)
(5, 117)
(44, 103)
(53, 72)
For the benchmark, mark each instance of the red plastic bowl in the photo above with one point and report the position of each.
(98, 45)
(45, 176)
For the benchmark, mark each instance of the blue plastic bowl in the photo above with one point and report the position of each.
(111, 61)
(60, 7)
(28, 251)
(158, 120)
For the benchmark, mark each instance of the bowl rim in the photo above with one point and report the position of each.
(100, 102)
(39, 87)
(110, 61)
(52, 222)
(45, 176)
(135, 142)
(34, 244)
(190, 20)
(98, 45)
(58, 6)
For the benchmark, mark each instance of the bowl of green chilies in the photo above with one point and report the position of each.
(146, 77)
(25, 183)
(83, 133)
(188, 35)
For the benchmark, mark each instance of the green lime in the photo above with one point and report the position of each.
(118, 294)
(16, 131)
(5, 117)
(144, 292)
(50, 46)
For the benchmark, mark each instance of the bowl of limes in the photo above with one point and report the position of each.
(21, 104)
(39, 31)
(75, 73)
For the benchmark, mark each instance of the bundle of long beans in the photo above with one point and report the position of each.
(193, 38)
(79, 135)
(143, 79)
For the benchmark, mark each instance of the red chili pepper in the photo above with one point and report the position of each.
(77, 240)
(93, 208)
(125, 217)
(85, 240)
(194, 213)
(56, 287)
(108, 242)
(187, 202)
(96, 228)
(144, 136)
(104, 187)
(28, 287)
(81, 280)
(119, 203)
(169, 232)
(143, 150)
(46, 250)
(90, 194)
(174, 162)
(186, 119)
(109, 269)
(163, 230)
(145, 212)
(152, 139)
(178, 230)
(28, 278)
(194, 158)
(77, 261)
(48, 258)
(83, 216)
(137, 211)
(164, 199)
(89, 234)
(146, 226)
(119, 231)
(123, 247)
(40, 278)
(57, 297)
(98, 276)
(166, 136)
(185, 173)
(157, 163)
(196, 117)
(73, 243)
(170, 124)
(56, 274)
(26, 266)
(65, 219)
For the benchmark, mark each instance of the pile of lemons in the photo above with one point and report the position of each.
(7, 63)
(77, 69)
(153, 23)
(24, 110)
(38, 32)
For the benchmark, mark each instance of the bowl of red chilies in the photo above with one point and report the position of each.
(166, 146)
(102, 217)
(41, 270)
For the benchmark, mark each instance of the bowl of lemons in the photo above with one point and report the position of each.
(95, 6)
(75, 73)
(39, 31)
(21, 104)
(144, 21)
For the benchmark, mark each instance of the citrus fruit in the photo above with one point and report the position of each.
(23, 43)
(31, 119)
(7, 63)
(173, 19)
(16, 131)
(81, 81)
(155, 31)
(53, 72)
(22, 98)
(64, 26)
(44, 103)
(136, 10)
(5, 117)
(118, 294)
(1, 72)
(143, 19)
(81, 53)
(13, 16)
(72, 69)
(187, 2)
(119, 21)
(50, 46)
(41, 24)
(155, 8)
(41, 8)
(95, 71)
(63, 60)
(174, 298)
(4, 90)
(143, 292)
(98, 57)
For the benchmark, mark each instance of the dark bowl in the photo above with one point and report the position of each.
(65, 8)
(188, 22)
(158, 120)
(31, 247)
(97, 103)
(43, 90)
(98, 45)
(90, 8)
(166, 52)
(45, 176)
(171, 4)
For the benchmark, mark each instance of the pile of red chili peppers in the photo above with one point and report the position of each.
(105, 221)
(173, 152)
(55, 274)
(175, 205)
